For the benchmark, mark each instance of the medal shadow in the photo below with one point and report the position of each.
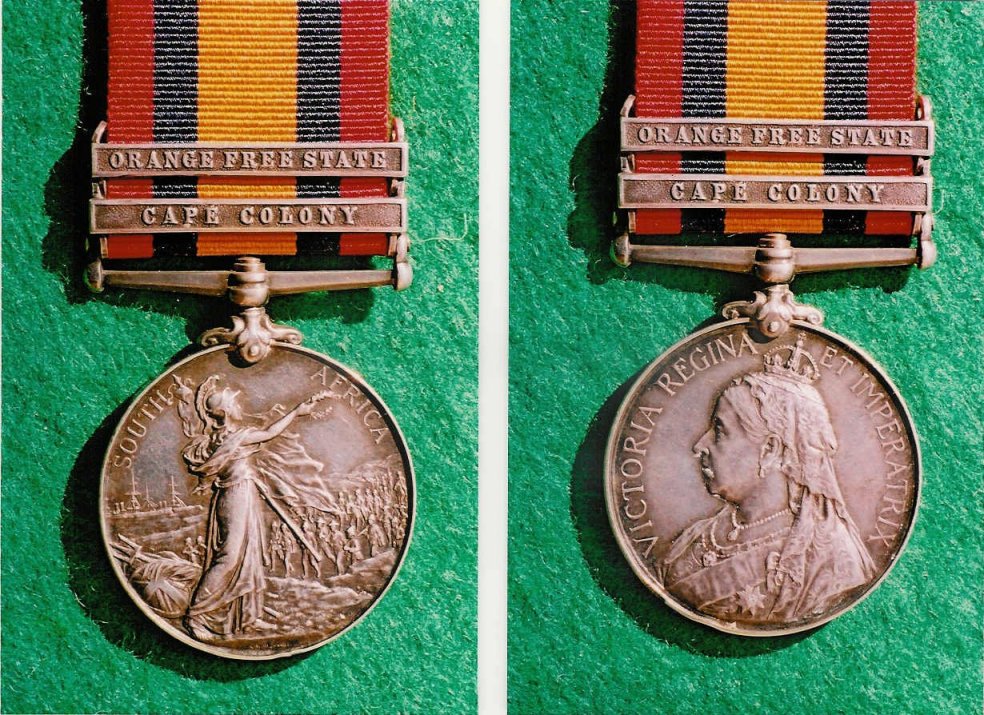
(593, 174)
(99, 592)
(67, 193)
(612, 572)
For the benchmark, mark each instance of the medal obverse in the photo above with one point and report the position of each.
(762, 486)
(257, 512)
(763, 475)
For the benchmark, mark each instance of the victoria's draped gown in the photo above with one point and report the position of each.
(785, 574)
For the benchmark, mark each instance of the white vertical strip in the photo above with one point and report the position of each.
(493, 370)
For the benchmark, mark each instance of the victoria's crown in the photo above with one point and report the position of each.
(799, 365)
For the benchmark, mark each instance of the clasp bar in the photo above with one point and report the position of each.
(774, 259)
(254, 215)
(341, 159)
(914, 139)
(908, 194)
(386, 160)
(249, 284)
(777, 136)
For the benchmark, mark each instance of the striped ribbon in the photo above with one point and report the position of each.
(247, 70)
(785, 59)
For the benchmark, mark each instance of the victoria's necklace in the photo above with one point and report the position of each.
(738, 528)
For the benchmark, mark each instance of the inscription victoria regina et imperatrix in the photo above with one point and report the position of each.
(762, 486)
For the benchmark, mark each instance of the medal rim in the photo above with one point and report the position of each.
(693, 614)
(229, 653)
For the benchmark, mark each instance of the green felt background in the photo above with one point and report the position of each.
(72, 641)
(585, 635)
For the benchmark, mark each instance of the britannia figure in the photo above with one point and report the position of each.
(253, 467)
(783, 545)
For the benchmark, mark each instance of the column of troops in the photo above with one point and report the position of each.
(358, 525)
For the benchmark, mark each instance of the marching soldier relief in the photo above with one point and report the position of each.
(257, 498)
(762, 475)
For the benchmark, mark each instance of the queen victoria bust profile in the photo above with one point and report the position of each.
(783, 546)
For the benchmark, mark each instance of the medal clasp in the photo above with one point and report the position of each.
(641, 191)
(351, 217)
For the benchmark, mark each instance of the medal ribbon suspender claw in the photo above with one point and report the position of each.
(229, 134)
(775, 120)
(776, 117)
(248, 131)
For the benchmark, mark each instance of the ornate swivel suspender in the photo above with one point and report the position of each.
(251, 130)
(780, 120)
